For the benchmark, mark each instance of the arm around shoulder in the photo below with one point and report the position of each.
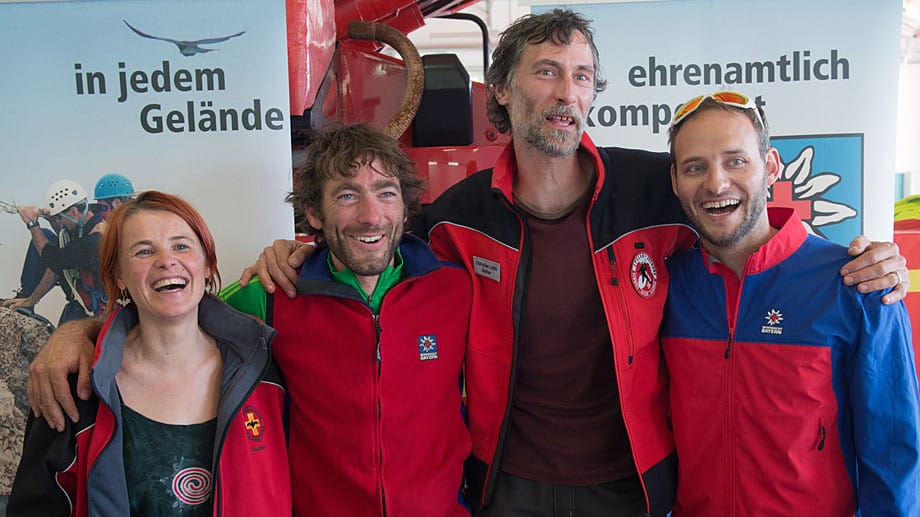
(70, 349)
(278, 263)
(251, 299)
(877, 266)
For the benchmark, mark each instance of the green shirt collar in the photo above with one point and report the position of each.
(390, 276)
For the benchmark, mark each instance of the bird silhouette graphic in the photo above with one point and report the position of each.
(188, 48)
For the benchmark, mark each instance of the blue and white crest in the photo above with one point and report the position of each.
(427, 347)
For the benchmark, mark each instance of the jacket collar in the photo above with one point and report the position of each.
(789, 237)
(418, 259)
(233, 330)
(505, 169)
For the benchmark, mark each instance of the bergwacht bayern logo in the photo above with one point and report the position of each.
(773, 317)
(428, 347)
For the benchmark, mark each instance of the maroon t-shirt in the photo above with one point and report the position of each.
(566, 425)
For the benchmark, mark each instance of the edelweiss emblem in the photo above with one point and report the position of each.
(427, 347)
(774, 317)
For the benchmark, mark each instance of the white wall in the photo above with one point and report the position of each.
(907, 154)
(462, 37)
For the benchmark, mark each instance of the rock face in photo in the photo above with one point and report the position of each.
(20, 338)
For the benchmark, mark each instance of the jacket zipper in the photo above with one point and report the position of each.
(624, 306)
(378, 355)
(377, 328)
(729, 420)
(379, 433)
(732, 323)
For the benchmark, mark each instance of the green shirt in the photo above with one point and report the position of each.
(251, 299)
(385, 281)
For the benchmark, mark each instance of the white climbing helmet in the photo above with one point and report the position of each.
(64, 194)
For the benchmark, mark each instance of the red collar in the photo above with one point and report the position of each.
(789, 237)
(505, 168)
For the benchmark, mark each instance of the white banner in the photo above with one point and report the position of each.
(98, 87)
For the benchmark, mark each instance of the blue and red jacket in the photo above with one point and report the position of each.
(791, 393)
(376, 418)
(634, 223)
(80, 472)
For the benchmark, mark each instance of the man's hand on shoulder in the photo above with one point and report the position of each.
(877, 266)
(278, 263)
(69, 349)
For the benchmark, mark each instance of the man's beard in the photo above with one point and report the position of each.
(534, 129)
(756, 204)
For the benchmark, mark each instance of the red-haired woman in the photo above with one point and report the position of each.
(188, 406)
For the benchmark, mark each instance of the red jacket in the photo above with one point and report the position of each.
(376, 417)
(634, 223)
(791, 393)
(80, 471)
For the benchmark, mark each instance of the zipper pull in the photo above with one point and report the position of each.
(377, 327)
(731, 339)
(611, 257)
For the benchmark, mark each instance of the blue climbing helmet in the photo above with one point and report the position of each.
(113, 185)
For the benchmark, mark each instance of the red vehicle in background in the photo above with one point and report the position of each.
(337, 72)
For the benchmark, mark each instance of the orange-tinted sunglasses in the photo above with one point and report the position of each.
(738, 100)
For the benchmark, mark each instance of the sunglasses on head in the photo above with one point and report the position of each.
(735, 99)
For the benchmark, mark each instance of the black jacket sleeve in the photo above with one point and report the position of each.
(46, 455)
(81, 253)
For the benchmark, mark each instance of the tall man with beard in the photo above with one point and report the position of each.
(809, 404)
(567, 399)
